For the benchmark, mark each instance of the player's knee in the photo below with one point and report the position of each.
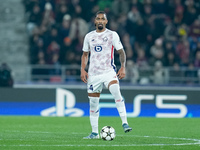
(94, 104)
(112, 83)
(94, 109)
(115, 91)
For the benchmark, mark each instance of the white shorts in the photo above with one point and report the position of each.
(95, 83)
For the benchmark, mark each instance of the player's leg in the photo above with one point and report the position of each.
(94, 110)
(94, 115)
(94, 90)
(114, 89)
(112, 83)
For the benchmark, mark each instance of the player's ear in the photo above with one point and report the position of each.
(106, 21)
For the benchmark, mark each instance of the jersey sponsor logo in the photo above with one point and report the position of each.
(98, 48)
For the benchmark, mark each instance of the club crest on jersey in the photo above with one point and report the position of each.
(105, 39)
(98, 48)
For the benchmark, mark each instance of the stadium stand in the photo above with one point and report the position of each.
(13, 38)
(155, 34)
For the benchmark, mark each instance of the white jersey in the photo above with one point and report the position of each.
(101, 47)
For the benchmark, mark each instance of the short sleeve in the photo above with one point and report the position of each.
(116, 41)
(86, 47)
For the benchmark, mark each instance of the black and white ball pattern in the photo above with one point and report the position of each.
(107, 133)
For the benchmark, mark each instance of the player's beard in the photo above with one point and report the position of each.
(100, 26)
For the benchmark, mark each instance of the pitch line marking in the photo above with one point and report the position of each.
(91, 145)
(161, 137)
(197, 142)
(42, 132)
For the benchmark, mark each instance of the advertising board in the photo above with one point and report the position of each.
(140, 102)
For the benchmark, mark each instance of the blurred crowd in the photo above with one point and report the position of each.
(153, 32)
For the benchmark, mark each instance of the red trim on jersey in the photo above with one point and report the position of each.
(112, 60)
(112, 52)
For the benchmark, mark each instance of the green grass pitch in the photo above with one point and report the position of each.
(65, 133)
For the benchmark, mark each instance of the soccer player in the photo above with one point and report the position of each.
(100, 44)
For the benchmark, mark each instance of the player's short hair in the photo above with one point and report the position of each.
(101, 12)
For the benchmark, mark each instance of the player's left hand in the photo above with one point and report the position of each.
(84, 75)
(121, 73)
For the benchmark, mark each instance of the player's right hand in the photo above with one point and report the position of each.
(84, 75)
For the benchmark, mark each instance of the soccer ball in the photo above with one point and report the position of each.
(107, 133)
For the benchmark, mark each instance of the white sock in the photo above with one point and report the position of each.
(94, 113)
(115, 91)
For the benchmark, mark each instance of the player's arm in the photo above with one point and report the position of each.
(122, 57)
(84, 61)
